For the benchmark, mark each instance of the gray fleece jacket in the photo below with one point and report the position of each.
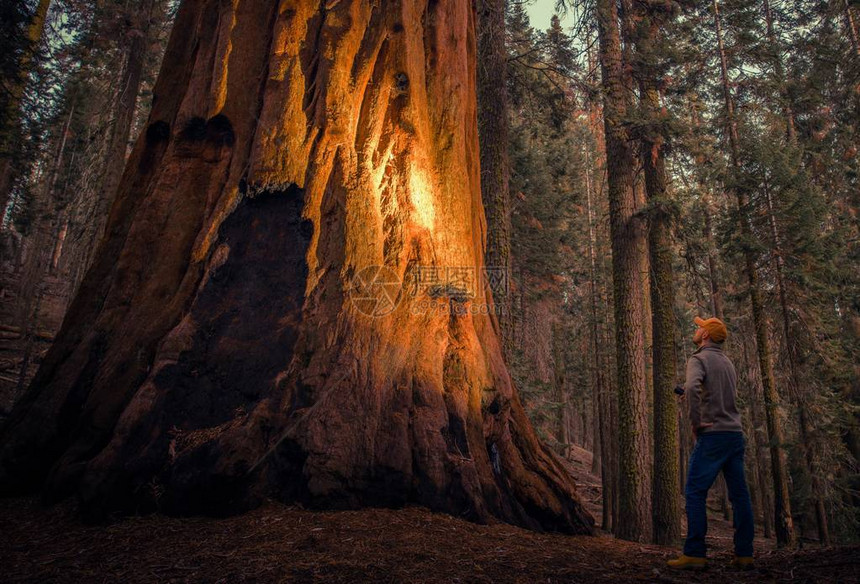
(711, 389)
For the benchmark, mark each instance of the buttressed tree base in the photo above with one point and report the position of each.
(213, 355)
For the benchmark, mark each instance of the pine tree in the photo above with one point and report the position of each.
(785, 533)
(23, 53)
(648, 72)
(628, 235)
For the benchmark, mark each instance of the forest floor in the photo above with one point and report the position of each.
(277, 543)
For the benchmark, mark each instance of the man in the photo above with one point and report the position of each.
(710, 389)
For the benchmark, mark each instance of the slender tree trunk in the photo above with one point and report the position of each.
(785, 534)
(594, 369)
(779, 71)
(611, 404)
(59, 244)
(797, 392)
(627, 234)
(297, 180)
(11, 121)
(759, 441)
(713, 278)
(666, 511)
(794, 382)
(137, 41)
(660, 299)
(599, 389)
(851, 25)
(755, 481)
(495, 166)
(603, 358)
(32, 286)
(716, 294)
(563, 417)
(596, 372)
(612, 398)
(630, 19)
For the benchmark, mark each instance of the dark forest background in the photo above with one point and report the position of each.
(770, 108)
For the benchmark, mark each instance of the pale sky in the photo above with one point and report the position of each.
(540, 11)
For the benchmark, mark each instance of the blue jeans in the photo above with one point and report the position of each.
(715, 452)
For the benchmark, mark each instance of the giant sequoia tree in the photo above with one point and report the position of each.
(214, 354)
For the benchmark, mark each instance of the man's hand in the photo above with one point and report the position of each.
(700, 427)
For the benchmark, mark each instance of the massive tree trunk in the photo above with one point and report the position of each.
(256, 321)
(628, 248)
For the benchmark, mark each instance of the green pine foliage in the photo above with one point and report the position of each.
(803, 205)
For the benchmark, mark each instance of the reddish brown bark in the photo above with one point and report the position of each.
(213, 355)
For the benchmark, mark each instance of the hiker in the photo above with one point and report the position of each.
(710, 390)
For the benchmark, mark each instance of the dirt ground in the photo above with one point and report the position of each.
(276, 543)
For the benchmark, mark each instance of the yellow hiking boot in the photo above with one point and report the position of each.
(743, 563)
(688, 563)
